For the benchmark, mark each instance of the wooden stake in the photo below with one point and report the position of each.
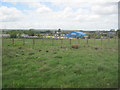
(43, 40)
(94, 41)
(78, 41)
(61, 42)
(33, 42)
(87, 41)
(115, 39)
(13, 41)
(23, 41)
(2, 42)
(101, 43)
(70, 41)
(108, 38)
(52, 41)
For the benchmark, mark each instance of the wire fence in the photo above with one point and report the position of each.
(47, 43)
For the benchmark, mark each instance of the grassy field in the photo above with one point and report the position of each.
(47, 65)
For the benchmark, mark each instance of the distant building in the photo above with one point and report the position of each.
(24, 35)
(4, 35)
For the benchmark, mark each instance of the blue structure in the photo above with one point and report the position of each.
(75, 34)
(109, 33)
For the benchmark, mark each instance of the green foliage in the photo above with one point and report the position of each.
(13, 35)
(98, 37)
(77, 37)
(83, 37)
(59, 30)
(31, 32)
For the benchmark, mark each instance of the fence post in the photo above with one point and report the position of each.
(115, 39)
(61, 42)
(23, 41)
(87, 41)
(52, 41)
(33, 42)
(94, 41)
(2, 42)
(108, 38)
(78, 41)
(70, 41)
(13, 41)
(101, 43)
(43, 40)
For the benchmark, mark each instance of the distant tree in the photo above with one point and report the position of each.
(59, 30)
(48, 31)
(31, 32)
(83, 37)
(112, 30)
(77, 37)
(13, 35)
(55, 32)
(98, 37)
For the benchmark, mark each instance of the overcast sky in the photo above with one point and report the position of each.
(54, 14)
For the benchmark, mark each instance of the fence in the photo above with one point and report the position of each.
(40, 43)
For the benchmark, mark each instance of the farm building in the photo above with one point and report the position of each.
(75, 34)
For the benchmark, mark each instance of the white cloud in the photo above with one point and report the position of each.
(94, 14)
(43, 10)
(105, 9)
(10, 14)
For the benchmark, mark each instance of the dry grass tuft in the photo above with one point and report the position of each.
(96, 48)
(19, 47)
(63, 47)
(76, 46)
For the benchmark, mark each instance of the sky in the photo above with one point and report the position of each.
(55, 14)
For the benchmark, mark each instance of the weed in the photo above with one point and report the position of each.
(55, 53)
(44, 63)
(31, 53)
(58, 57)
(42, 60)
(40, 50)
(100, 68)
(47, 51)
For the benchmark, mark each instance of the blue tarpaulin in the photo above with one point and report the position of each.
(75, 34)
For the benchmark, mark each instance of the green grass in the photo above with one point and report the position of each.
(47, 65)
